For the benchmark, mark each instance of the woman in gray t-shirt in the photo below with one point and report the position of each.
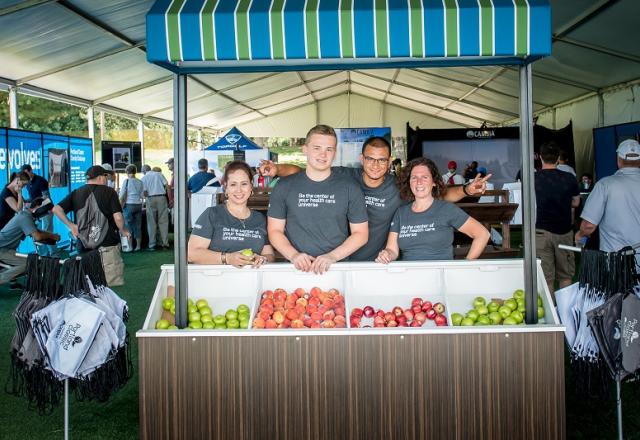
(224, 233)
(423, 230)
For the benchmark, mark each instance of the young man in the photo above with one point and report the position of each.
(380, 191)
(39, 187)
(109, 205)
(452, 177)
(317, 217)
(20, 226)
(614, 203)
(556, 194)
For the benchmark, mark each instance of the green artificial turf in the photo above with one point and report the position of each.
(118, 418)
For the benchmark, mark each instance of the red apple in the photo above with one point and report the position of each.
(403, 324)
(416, 302)
(368, 312)
(389, 317)
(439, 308)
(441, 320)
(357, 313)
(398, 311)
(378, 321)
(408, 314)
(420, 317)
(380, 312)
(354, 322)
(426, 306)
(431, 314)
(416, 323)
(392, 324)
(416, 309)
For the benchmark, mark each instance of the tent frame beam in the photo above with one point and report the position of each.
(584, 18)
(24, 5)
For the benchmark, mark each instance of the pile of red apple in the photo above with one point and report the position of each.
(301, 309)
(415, 316)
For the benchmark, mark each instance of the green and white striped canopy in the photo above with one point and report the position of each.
(227, 35)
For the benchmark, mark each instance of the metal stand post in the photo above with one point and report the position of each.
(66, 409)
(619, 407)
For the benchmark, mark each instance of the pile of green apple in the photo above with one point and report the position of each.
(200, 316)
(497, 311)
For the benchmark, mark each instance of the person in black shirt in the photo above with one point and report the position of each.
(39, 187)
(11, 197)
(556, 194)
(109, 205)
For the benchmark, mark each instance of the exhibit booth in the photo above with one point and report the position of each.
(348, 382)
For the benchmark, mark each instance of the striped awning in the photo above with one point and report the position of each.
(228, 35)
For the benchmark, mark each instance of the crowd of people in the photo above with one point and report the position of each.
(322, 214)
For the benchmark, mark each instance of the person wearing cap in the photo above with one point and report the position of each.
(111, 183)
(557, 194)
(109, 204)
(39, 187)
(155, 190)
(614, 203)
(202, 178)
(451, 177)
(20, 226)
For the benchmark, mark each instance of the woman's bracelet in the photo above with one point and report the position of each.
(464, 189)
(223, 257)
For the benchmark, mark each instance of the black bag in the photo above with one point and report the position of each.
(93, 225)
(630, 328)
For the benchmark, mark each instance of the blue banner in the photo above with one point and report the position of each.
(80, 160)
(25, 147)
(4, 175)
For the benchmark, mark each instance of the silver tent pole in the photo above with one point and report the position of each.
(528, 195)
(180, 196)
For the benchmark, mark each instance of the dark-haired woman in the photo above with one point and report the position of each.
(11, 197)
(423, 229)
(222, 232)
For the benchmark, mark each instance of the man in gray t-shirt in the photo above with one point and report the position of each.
(380, 192)
(317, 217)
(20, 226)
(614, 204)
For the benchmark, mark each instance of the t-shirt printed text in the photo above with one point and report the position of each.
(306, 200)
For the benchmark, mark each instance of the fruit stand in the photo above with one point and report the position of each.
(490, 381)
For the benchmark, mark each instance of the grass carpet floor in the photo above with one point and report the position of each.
(118, 418)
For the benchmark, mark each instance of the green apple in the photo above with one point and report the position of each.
(456, 318)
(220, 320)
(522, 309)
(540, 312)
(195, 324)
(511, 303)
(173, 327)
(247, 252)
(202, 303)
(206, 318)
(231, 314)
(191, 308)
(504, 311)
(208, 325)
(243, 308)
(479, 323)
(484, 320)
(244, 323)
(482, 310)
(172, 310)
(518, 294)
(509, 321)
(518, 316)
(233, 323)
(478, 301)
(206, 310)
(466, 322)
(221, 326)
(493, 306)
(167, 303)
(162, 324)
(539, 301)
(473, 315)
(243, 316)
(495, 317)
(190, 302)
(520, 302)
(194, 316)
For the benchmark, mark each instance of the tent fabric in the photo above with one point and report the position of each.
(344, 32)
(233, 140)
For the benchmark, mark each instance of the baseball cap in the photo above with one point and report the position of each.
(482, 170)
(452, 164)
(629, 150)
(97, 171)
(169, 161)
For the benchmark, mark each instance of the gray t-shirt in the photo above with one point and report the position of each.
(230, 234)
(427, 235)
(614, 205)
(382, 203)
(19, 227)
(317, 213)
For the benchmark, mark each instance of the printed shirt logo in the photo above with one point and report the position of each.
(234, 234)
(375, 201)
(314, 200)
(414, 230)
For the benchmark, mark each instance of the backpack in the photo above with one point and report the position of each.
(93, 225)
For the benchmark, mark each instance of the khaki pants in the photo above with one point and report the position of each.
(157, 216)
(17, 265)
(557, 264)
(112, 265)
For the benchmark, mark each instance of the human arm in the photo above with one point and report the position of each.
(476, 187)
(39, 235)
(267, 255)
(575, 201)
(271, 169)
(278, 239)
(358, 237)
(119, 219)
(391, 250)
(586, 229)
(58, 211)
(16, 205)
(479, 234)
(198, 252)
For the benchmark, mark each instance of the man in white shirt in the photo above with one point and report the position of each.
(155, 190)
(452, 178)
(563, 164)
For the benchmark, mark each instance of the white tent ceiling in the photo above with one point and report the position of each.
(93, 53)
